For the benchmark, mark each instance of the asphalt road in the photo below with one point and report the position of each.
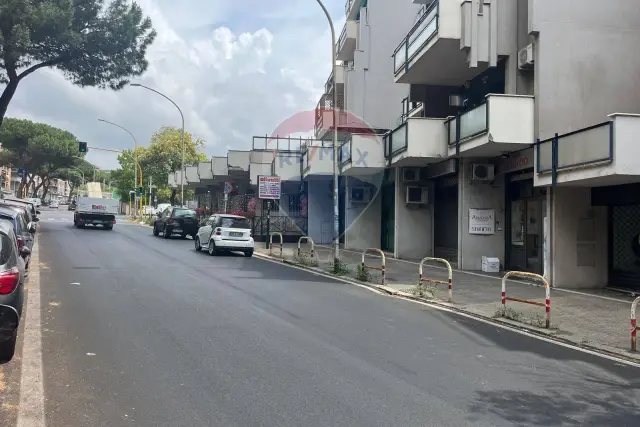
(142, 331)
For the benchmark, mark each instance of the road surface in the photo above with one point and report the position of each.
(143, 331)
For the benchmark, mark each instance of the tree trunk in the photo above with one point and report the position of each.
(5, 98)
(72, 186)
(172, 199)
(45, 188)
(37, 187)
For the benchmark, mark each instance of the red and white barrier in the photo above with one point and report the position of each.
(271, 243)
(381, 268)
(308, 240)
(634, 306)
(547, 291)
(449, 283)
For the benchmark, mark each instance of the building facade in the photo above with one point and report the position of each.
(480, 128)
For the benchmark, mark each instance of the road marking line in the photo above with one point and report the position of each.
(467, 315)
(31, 410)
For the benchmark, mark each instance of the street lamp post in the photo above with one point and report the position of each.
(336, 211)
(135, 154)
(181, 137)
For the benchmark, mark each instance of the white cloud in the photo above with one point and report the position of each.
(236, 70)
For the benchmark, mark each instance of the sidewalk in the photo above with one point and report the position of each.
(590, 318)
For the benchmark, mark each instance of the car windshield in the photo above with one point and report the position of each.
(179, 213)
(227, 222)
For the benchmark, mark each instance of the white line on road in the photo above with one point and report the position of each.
(31, 410)
(469, 316)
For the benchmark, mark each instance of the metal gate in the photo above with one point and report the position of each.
(625, 247)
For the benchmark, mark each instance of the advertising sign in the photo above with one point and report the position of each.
(482, 221)
(269, 187)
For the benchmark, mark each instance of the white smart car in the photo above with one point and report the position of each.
(222, 232)
(53, 204)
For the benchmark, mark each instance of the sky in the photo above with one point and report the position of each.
(236, 69)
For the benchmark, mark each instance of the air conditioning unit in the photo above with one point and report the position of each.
(360, 195)
(482, 172)
(410, 175)
(417, 195)
(455, 101)
(525, 58)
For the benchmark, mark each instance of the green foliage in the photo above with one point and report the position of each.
(423, 291)
(161, 157)
(92, 44)
(362, 273)
(43, 150)
(305, 259)
(339, 268)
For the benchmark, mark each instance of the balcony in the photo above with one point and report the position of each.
(352, 9)
(288, 165)
(317, 159)
(417, 142)
(430, 53)
(604, 154)
(362, 155)
(340, 79)
(220, 167)
(204, 171)
(191, 175)
(238, 160)
(501, 124)
(348, 41)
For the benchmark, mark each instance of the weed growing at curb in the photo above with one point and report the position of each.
(423, 291)
(305, 260)
(362, 273)
(509, 313)
(339, 268)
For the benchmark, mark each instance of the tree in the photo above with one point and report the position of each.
(91, 44)
(125, 175)
(164, 156)
(39, 148)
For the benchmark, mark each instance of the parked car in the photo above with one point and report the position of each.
(72, 206)
(23, 229)
(12, 274)
(174, 220)
(32, 207)
(53, 204)
(223, 232)
(27, 207)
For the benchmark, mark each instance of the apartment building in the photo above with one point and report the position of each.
(497, 128)
(491, 84)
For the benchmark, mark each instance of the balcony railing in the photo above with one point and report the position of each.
(396, 141)
(342, 38)
(575, 149)
(468, 124)
(419, 35)
(347, 6)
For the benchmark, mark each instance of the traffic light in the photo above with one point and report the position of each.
(82, 147)
(140, 191)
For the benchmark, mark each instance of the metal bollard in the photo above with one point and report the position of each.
(634, 306)
(437, 282)
(547, 290)
(381, 268)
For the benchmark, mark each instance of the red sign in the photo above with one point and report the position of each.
(523, 160)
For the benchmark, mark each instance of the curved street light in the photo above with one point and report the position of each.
(336, 211)
(135, 157)
(181, 137)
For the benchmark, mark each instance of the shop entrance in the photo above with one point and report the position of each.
(445, 214)
(388, 213)
(526, 207)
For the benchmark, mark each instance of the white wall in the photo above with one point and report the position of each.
(362, 222)
(320, 211)
(571, 208)
(371, 94)
(472, 247)
(414, 226)
(585, 61)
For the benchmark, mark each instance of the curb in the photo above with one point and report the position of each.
(385, 290)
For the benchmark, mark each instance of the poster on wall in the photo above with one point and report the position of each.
(482, 221)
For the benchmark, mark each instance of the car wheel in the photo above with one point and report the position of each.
(212, 248)
(166, 233)
(156, 232)
(8, 348)
(183, 236)
(108, 227)
(248, 254)
(198, 246)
